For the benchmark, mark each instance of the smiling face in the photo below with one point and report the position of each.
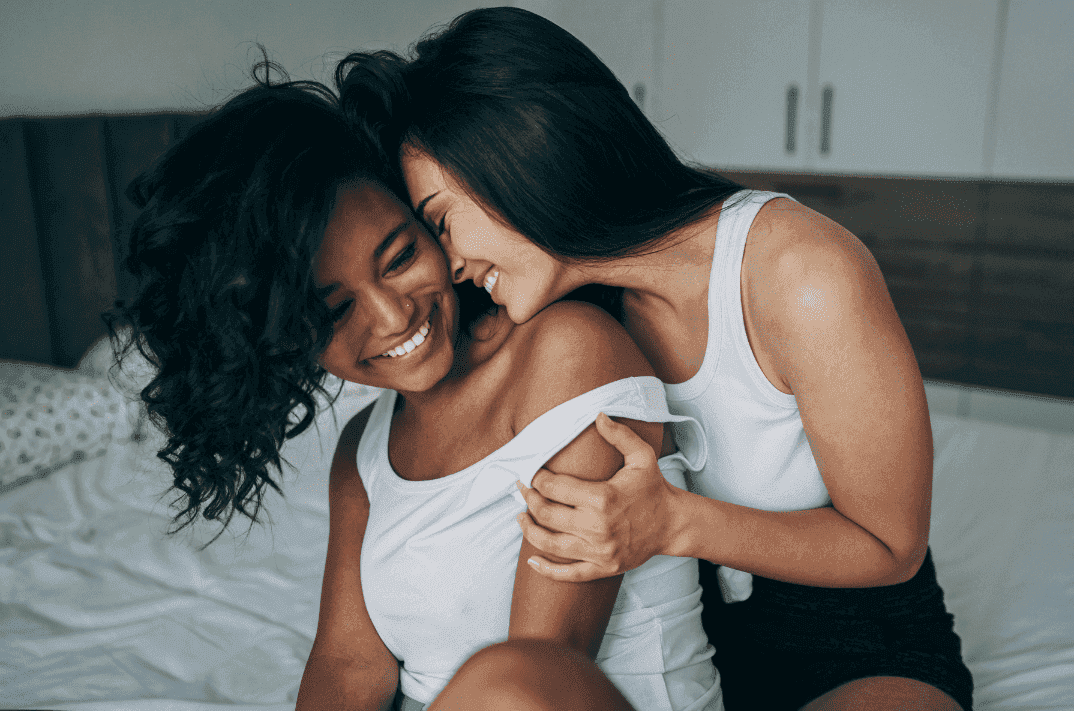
(386, 279)
(518, 274)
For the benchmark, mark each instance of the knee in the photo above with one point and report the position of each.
(521, 663)
(529, 675)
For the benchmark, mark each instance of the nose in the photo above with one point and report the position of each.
(456, 264)
(390, 312)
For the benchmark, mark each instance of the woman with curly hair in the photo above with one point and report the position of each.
(273, 248)
(767, 322)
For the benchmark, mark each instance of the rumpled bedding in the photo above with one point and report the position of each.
(97, 604)
(100, 610)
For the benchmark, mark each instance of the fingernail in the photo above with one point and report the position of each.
(533, 563)
(519, 519)
(518, 483)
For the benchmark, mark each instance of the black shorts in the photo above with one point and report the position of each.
(788, 644)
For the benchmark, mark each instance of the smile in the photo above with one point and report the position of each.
(490, 280)
(410, 345)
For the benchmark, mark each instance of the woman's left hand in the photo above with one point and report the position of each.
(608, 527)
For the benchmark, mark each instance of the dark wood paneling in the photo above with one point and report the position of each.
(69, 182)
(1029, 288)
(981, 272)
(1031, 216)
(24, 321)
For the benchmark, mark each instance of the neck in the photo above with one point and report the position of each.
(472, 349)
(670, 275)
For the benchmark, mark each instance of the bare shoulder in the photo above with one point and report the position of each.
(345, 484)
(789, 237)
(567, 349)
(802, 268)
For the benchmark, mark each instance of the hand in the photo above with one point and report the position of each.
(606, 528)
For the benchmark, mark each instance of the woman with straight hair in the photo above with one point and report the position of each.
(275, 246)
(767, 322)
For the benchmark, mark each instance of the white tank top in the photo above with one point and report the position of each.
(439, 557)
(758, 454)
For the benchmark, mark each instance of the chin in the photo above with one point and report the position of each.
(521, 313)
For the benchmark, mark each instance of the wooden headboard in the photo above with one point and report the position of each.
(63, 224)
(981, 273)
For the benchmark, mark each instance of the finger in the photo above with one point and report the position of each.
(553, 516)
(636, 452)
(562, 545)
(566, 489)
(580, 572)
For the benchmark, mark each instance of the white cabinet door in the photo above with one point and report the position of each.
(620, 33)
(910, 85)
(1035, 102)
(724, 73)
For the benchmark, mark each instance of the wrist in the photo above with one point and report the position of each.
(678, 539)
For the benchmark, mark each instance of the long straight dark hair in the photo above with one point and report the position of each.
(536, 129)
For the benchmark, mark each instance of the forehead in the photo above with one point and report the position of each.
(422, 173)
(363, 207)
(363, 216)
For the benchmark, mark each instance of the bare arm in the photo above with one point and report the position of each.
(822, 327)
(586, 349)
(349, 667)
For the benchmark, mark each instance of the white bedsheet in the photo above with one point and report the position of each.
(99, 610)
(97, 604)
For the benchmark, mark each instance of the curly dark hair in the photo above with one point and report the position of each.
(226, 309)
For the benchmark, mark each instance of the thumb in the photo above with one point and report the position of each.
(636, 452)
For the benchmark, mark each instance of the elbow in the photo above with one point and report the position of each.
(330, 683)
(904, 565)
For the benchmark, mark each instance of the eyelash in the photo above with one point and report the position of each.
(440, 227)
(406, 256)
(340, 310)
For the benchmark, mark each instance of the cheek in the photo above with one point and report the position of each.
(434, 266)
(333, 359)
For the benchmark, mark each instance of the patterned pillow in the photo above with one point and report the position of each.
(129, 380)
(50, 417)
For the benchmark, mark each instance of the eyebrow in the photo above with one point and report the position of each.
(385, 244)
(387, 241)
(420, 209)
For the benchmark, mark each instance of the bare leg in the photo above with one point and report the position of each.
(884, 693)
(529, 675)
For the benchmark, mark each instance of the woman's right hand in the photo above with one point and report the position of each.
(606, 527)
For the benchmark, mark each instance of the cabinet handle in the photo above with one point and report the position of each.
(792, 117)
(826, 121)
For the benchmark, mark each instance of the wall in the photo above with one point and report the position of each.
(123, 56)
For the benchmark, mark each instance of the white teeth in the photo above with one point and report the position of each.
(416, 340)
(490, 280)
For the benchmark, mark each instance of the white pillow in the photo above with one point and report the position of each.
(50, 417)
(98, 361)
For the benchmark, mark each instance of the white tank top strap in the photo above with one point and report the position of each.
(759, 456)
(376, 431)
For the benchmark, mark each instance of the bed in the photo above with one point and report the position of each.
(100, 610)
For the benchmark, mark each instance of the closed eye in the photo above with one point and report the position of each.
(404, 257)
(340, 310)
